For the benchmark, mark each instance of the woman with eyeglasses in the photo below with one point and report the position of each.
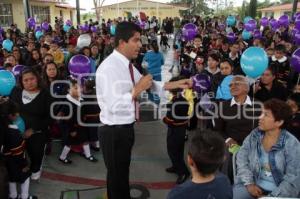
(34, 102)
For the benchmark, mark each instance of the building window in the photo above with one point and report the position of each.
(6, 14)
(41, 13)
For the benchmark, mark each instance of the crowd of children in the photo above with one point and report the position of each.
(45, 80)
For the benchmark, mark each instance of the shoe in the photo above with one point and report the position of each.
(182, 178)
(65, 161)
(95, 148)
(36, 175)
(171, 170)
(91, 159)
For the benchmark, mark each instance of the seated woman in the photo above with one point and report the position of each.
(268, 161)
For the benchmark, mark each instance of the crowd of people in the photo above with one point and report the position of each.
(266, 162)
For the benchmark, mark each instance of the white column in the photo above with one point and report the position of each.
(118, 9)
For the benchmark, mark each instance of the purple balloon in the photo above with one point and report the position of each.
(189, 31)
(297, 22)
(231, 37)
(295, 60)
(257, 34)
(297, 37)
(45, 26)
(284, 21)
(79, 65)
(142, 25)
(16, 70)
(31, 22)
(222, 27)
(274, 24)
(93, 28)
(69, 22)
(86, 27)
(264, 21)
(201, 83)
(250, 25)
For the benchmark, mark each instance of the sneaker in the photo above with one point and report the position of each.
(36, 175)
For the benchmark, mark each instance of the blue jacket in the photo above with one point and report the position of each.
(155, 61)
(284, 159)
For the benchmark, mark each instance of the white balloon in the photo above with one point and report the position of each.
(84, 40)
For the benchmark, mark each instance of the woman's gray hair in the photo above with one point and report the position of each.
(241, 79)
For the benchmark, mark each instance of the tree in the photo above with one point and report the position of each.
(252, 8)
(197, 7)
(98, 7)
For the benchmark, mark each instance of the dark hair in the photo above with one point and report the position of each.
(214, 56)
(45, 78)
(155, 47)
(280, 110)
(207, 149)
(281, 48)
(228, 61)
(7, 107)
(45, 46)
(198, 37)
(296, 98)
(27, 70)
(125, 30)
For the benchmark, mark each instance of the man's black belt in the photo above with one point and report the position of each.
(121, 125)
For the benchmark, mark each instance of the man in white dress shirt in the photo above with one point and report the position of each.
(118, 84)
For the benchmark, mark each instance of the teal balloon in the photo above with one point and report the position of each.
(38, 34)
(7, 82)
(223, 91)
(230, 21)
(20, 124)
(246, 19)
(112, 29)
(66, 28)
(7, 45)
(254, 61)
(246, 35)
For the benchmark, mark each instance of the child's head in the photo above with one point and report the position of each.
(279, 51)
(206, 153)
(213, 60)
(199, 61)
(54, 45)
(197, 41)
(270, 52)
(235, 48)
(74, 89)
(226, 67)
(294, 102)
(9, 112)
(71, 48)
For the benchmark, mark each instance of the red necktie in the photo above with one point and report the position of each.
(136, 105)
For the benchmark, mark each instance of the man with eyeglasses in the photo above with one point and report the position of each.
(236, 117)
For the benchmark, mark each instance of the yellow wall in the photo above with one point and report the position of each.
(149, 8)
(19, 16)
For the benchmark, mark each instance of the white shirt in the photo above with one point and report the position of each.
(114, 87)
(247, 101)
